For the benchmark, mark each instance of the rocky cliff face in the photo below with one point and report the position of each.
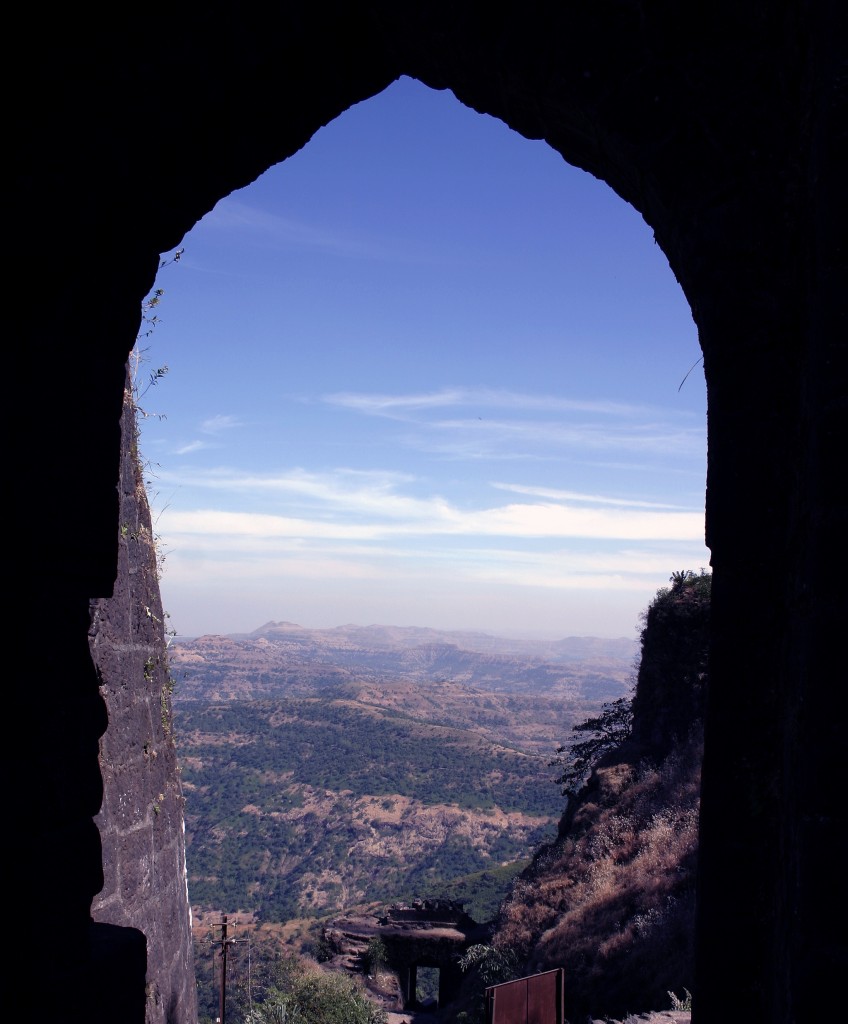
(612, 899)
(141, 817)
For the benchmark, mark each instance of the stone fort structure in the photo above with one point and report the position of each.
(722, 124)
(433, 943)
(426, 933)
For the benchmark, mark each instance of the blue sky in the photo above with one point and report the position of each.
(423, 373)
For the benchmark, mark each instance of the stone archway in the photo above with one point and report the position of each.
(427, 933)
(723, 137)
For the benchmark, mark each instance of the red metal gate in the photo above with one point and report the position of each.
(536, 999)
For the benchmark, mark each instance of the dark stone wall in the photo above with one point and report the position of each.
(141, 817)
(724, 125)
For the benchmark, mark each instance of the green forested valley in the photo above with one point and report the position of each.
(307, 806)
(325, 770)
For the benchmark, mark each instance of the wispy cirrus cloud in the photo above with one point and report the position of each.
(366, 505)
(212, 427)
(439, 518)
(591, 499)
(218, 424)
(501, 438)
(273, 229)
(350, 489)
(191, 446)
(618, 570)
(506, 425)
(481, 398)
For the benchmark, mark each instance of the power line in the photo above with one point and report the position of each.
(225, 942)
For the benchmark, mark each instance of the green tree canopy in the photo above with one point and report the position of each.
(577, 757)
(303, 995)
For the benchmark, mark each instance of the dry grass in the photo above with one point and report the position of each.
(613, 899)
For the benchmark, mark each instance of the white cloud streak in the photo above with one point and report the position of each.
(401, 569)
(517, 521)
(504, 425)
(232, 214)
(368, 506)
(592, 499)
(482, 398)
(218, 424)
(192, 446)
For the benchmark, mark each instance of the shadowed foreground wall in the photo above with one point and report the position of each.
(723, 124)
(141, 817)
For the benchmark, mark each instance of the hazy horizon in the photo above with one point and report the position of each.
(541, 636)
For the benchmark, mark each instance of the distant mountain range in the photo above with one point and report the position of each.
(284, 658)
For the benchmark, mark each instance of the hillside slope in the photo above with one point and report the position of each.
(612, 898)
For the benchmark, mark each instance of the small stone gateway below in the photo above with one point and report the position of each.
(419, 934)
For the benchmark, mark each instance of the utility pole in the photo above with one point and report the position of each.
(225, 945)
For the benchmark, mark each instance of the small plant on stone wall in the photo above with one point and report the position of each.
(376, 956)
(681, 1004)
(139, 385)
(150, 320)
(165, 702)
